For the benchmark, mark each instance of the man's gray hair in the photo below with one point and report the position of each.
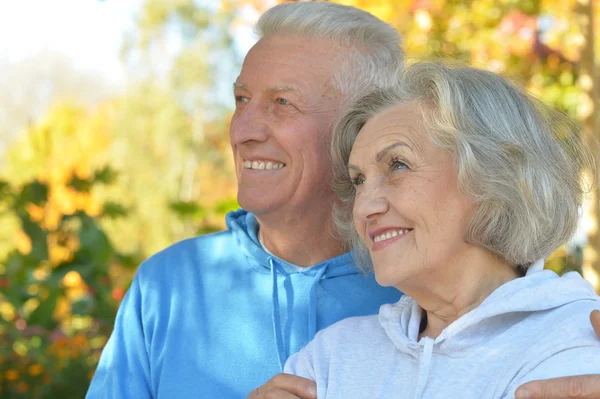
(374, 54)
(520, 160)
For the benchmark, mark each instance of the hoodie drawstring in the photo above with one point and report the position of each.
(312, 306)
(425, 366)
(281, 351)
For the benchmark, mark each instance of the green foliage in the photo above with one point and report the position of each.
(565, 260)
(206, 219)
(105, 175)
(56, 311)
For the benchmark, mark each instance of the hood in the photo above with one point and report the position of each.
(537, 291)
(245, 227)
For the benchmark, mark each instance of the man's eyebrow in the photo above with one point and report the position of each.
(382, 153)
(275, 89)
(278, 89)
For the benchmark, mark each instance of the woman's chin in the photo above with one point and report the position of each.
(386, 279)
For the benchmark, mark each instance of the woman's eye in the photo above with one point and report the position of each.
(397, 165)
(358, 180)
(282, 101)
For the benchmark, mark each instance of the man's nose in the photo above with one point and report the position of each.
(249, 124)
(371, 203)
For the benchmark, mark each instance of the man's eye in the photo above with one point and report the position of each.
(282, 101)
(241, 99)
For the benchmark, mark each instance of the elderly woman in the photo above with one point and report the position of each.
(455, 182)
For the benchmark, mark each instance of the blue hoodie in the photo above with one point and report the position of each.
(217, 316)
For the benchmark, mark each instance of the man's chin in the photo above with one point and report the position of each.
(258, 204)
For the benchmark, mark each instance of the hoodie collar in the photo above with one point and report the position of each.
(538, 291)
(244, 226)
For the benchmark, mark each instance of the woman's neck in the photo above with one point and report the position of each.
(455, 289)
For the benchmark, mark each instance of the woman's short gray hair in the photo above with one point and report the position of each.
(374, 54)
(520, 160)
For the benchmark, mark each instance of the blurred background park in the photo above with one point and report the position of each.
(114, 144)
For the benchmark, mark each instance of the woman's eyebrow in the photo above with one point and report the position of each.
(383, 152)
(353, 167)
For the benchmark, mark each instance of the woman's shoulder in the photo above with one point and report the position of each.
(568, 321)
(562, 306)
(350, 329)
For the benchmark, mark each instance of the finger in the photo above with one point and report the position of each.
(299, 387)
(595, 319)
(276, 393)
(578, 387)
(255, 393)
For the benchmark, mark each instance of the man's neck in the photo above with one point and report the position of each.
(305, 240)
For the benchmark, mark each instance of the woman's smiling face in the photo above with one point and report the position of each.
(408, 209)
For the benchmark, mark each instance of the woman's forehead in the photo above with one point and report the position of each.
(401, 123)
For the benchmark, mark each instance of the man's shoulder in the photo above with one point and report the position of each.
(206, 243)
(201, 251)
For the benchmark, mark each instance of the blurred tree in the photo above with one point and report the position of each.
(588, 112)
(60, 288)
(66, 142)
(166, 135)
(185, 47)
(61, 279)
(31, 86)
(150, 143)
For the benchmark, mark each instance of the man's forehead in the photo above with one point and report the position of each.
(287, 47)
(292, 56)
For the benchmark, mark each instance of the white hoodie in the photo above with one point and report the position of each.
(534, 327)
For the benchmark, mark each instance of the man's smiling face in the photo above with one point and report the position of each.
(281, 129)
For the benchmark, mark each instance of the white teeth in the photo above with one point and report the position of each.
(262, 165)
(390, 234)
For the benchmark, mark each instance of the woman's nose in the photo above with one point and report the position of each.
(370, 203)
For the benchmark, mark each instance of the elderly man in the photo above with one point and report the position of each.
(218, 315)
